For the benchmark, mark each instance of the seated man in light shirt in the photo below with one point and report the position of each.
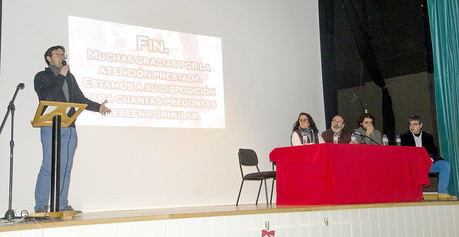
(416, 137)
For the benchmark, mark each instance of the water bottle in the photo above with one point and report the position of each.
(398, 140)
(385, 140)
(335, 138)
(305, 139)
(354, 138)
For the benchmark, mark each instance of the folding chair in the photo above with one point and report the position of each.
(248, 157)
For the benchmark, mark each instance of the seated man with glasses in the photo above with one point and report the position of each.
(337, 131)
(416, 137)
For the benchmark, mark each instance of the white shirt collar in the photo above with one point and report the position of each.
(418, 140)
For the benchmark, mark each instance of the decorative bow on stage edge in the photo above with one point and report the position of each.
(267, 232)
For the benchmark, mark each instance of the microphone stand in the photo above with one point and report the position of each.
(362, 135)
(9, 215)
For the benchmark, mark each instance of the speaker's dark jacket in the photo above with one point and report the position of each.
(49, 87)
(427, 142)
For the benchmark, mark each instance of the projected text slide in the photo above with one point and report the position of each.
(150, 77)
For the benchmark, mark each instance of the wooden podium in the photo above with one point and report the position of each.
(52, 113)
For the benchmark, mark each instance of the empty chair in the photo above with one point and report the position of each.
(248, 157)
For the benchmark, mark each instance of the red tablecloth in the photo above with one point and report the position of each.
(347, 173)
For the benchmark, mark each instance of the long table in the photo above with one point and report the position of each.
(323, 174)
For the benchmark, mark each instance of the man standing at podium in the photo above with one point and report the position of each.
(57, 83)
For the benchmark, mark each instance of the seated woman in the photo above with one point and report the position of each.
(366, 132)
(304, 131)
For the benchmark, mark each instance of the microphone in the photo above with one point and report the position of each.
(21, 86)
(363, 135)
(64, 62)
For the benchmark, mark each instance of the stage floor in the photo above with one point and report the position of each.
(95, 218)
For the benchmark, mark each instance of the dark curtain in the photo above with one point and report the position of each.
(427, 38)
(327, 49)
(359, 27)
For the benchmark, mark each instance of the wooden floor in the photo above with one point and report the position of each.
(92, 218)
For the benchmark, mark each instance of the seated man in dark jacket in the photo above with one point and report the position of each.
(416, 137)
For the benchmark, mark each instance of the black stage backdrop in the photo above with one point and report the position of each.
(366, 40)
(327, 50)
(359, 26)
